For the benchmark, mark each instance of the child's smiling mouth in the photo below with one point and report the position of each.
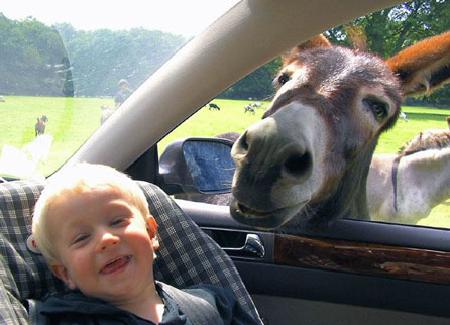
(116, 265)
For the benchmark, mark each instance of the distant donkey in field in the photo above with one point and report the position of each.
(39, 127)
(404, 187)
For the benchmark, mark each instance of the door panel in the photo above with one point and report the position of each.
(298, 311)
(318, 279)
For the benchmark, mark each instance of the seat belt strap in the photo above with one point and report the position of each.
(197, 304)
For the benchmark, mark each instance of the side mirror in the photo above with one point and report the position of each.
(197, 165)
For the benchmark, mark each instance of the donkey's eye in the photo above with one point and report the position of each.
(378, 108)
(283, 78)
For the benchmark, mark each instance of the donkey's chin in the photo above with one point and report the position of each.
(263, 219)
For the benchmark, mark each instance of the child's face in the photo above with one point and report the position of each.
(103, 245)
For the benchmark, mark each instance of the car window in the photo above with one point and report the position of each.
(426, 203)
(66, 67)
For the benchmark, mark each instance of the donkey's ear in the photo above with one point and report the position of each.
(317, 41)
(424, 66)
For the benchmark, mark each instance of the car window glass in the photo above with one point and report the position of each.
(385, 33)
(66, 67)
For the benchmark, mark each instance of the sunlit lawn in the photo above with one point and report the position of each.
(204, 122)
(419, 118)
(439, 216)
(72, 120)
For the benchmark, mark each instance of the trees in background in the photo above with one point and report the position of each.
(390, 30)
(30, 58)
(385, 32)
(36, 59)
(257, 85)
(102, 57)
(39, 60)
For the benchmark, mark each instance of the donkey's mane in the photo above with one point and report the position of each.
(428, 139)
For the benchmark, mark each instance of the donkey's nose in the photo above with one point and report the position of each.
(269, 151)
(298, 165)
(253, 139)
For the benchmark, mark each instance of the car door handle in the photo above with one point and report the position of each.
(253, 247)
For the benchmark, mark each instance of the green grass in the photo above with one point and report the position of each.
(73, 120)
(231, 117)
(419, 118)
(439, 216)
(70, 121)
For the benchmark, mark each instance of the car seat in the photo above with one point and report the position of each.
(187, 256)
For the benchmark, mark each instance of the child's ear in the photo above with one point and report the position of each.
(61, 272)
(152, 226)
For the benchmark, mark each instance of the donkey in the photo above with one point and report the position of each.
(422, 179)
(403, 188)
(305, 164)
(39, 127)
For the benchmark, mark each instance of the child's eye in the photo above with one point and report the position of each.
(119, 221)
(80, 239)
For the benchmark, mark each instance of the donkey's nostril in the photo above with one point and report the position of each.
(298, 164)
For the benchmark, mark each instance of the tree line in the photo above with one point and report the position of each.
(388, 31)
(59, 60)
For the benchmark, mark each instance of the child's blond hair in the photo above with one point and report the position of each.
(78, 179)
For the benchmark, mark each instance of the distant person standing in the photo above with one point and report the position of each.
(123, 93)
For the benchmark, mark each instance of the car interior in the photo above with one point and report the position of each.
(200, 242)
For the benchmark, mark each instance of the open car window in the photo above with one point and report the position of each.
(408, 181)
(67, 67)
(63, 77)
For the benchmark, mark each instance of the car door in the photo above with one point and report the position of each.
(356, 271)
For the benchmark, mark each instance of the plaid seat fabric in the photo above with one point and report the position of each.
(186, 256)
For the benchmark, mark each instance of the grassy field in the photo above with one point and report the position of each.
(73, 120)
(231, 117)
(70, 122)
(419, 118)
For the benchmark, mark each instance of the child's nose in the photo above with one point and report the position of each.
(107, 240)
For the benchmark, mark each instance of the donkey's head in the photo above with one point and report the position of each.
(309, 156)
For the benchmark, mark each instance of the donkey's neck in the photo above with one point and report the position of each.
(350, 198)
(425, 173)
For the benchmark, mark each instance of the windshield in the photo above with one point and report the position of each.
(66, 67)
